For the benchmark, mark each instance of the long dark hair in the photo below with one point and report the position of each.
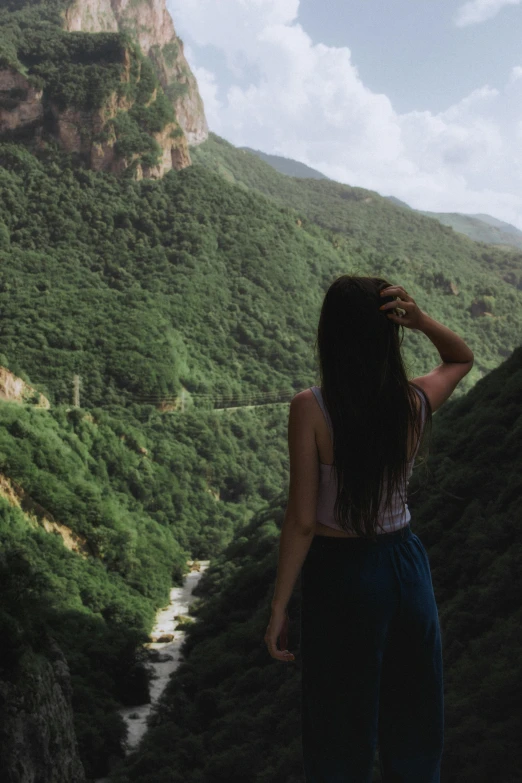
(369, 398)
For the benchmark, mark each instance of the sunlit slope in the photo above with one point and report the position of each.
(233, 713)
(141, 287)
(359, 218)
(292, 168)
(480, 228)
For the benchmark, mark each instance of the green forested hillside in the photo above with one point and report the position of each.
(480, 228)
(141, 287)
(232, 712)
(359, 220)
(209, 282)
(293, 168)
(135, 486)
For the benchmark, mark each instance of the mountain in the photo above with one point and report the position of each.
(150, 23)
(233, 713)
(480, 228)
(361, 222)
(106, 81)
(292, 168)
(506, 227)
(398, 202)
(133, 311)
(203, 285)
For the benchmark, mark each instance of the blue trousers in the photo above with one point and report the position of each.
(371, 661)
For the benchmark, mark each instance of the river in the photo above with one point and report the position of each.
(165, 625)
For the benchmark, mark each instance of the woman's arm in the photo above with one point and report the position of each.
(294, 544)
(299, 523)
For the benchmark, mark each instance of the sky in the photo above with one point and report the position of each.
(419, 99)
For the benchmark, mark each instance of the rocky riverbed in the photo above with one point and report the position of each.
(164, 652)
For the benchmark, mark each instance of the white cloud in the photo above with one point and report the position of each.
(307, 101)
(516, 74)
(476, 11)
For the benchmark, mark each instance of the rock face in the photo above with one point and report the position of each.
(29, 112)
(13, 389)
(78, 131)
(37, 739)
(151, 25)
(23, 113)
(20, 103)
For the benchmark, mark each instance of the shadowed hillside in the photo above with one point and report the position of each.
(232, 712)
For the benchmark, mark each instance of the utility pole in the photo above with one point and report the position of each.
(76, 401)
(182, 400)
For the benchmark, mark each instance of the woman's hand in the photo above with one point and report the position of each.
(278, 627)
(410, 316)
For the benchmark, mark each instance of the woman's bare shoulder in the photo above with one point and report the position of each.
(306, 394)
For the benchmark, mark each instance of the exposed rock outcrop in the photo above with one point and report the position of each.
(20, 103)
(14, 389)
(36, 515)
(91, 123)
(88, 133)
(151, 24)
(37, 738)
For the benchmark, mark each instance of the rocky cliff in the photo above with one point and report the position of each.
(96, 133)
(108, 80)
(37, 738)
(14, 389)
(150, 23)
(20, 102)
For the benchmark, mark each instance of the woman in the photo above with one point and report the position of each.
(370, 636)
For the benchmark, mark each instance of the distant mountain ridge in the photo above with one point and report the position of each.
(498, 223)
(292, 168)
(480, 227)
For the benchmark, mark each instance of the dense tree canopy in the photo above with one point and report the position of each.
(207, 284)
